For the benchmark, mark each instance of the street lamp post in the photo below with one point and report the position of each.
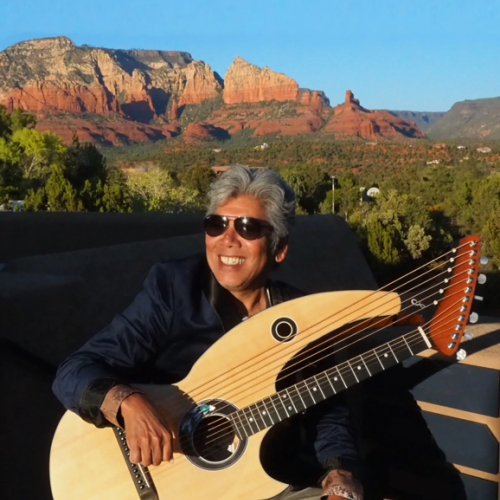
(333, 193)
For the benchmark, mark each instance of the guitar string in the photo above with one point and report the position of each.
(454, 250)
(373, 325)
(182, 460)
(368, 320)
(346, 338)
(465, 244)
(329, 354)
(348, 369)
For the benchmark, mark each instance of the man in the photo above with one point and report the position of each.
(184, 308)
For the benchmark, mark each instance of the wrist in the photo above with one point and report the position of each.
(114, 400)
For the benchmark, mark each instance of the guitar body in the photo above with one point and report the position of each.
(241, 368)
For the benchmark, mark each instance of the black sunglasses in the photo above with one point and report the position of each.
(247, 227)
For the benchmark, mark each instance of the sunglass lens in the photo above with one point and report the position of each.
(248, 228)
(215, 225)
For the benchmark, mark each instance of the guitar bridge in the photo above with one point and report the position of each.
(140, 475)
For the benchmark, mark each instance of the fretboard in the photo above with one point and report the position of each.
(297, 398)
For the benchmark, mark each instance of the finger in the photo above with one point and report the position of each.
(156, 450)
(167, 449)
(146, 454)
(135, 453)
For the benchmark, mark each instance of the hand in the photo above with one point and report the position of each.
(340, 484)
(147, 437)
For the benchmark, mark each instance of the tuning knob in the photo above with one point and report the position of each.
(461, 354)
(468, 336)
(473, 317)
(478, 297)
(483, 260)
(481, 279)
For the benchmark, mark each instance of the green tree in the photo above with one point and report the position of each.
(155, 191)
(61, 195)
(197, 178)
(310, 184)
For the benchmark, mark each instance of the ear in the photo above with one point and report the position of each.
(282, 250)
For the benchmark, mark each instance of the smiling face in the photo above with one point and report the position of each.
(239, 264)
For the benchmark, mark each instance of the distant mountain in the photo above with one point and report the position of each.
(424, 119)
(471, 119)
(115, 96)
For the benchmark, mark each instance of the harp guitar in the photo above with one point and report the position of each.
(220, 413)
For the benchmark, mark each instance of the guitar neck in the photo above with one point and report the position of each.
(297, 398)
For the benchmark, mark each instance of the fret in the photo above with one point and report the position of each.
(330, 382)
(378, 359)
(366, 366)
(408, 345)
(249, 429)
(347, 374)
(387, 359)
(360, 369)
(252, 419)
(257, 415)
(290, 399)
(354, 373)
(267, 412)
(340, 375)
(306, 393)
(298, 399)
(239, 426)
(319, 387)
(390, 347)
(372, 363)
(280, 403)
(278, 416)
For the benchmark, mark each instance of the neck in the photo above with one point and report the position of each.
(251, 301)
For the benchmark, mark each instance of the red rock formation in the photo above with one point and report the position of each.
(246, 82)
(196, 131)
(201, 84)
(116, 132)
(173, 114)
(349, 98)
(314, 100)
(352, 120)
(53, 74)
(49, 96)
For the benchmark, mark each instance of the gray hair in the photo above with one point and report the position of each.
(276, 196)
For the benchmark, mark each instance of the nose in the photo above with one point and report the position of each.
(231, 237)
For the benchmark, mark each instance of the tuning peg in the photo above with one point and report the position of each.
(478, 297)
(483, 260)
(481, 279)
(461, 354)
(468, 336)
(473, 317)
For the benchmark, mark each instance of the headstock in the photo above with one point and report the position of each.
(447, 326)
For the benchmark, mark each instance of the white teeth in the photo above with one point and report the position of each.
(232, 261)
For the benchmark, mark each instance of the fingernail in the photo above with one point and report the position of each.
(171, 461)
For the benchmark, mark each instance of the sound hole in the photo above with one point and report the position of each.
(284, 329)
(214, 439)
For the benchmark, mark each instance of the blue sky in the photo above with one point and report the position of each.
(413, 55)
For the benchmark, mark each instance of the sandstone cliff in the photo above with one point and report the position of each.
(245, 82)
(350, 119)
(53, 74)
(115, 96)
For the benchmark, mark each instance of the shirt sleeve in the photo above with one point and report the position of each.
(119, 351)
(336, 438)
